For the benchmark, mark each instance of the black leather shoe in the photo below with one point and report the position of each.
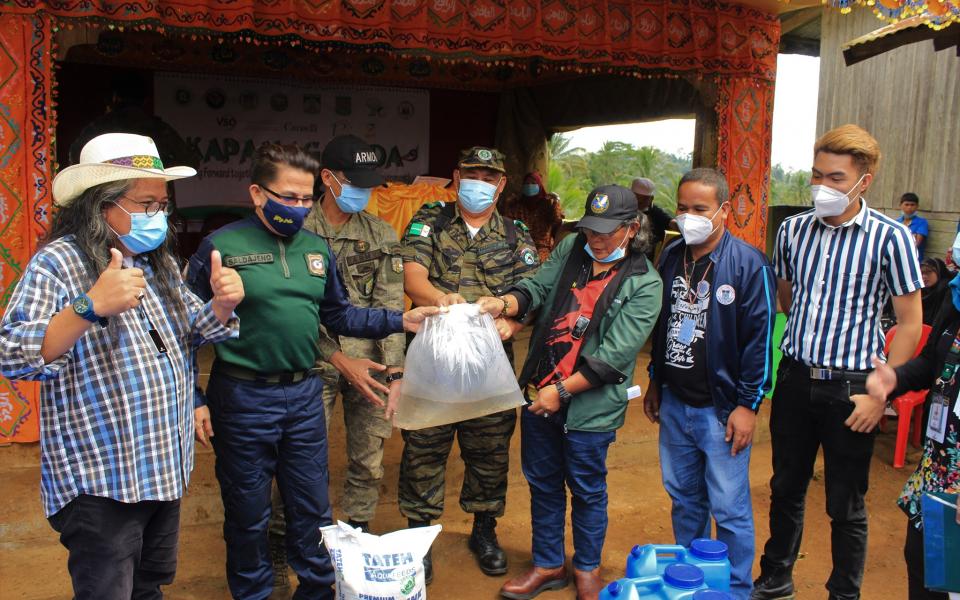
(773, 584)
(364, 526)
(483, 543)
(428, 557)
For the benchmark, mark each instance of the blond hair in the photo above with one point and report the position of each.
(852, 140)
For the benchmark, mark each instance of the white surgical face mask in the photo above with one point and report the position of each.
(696, 229)
(956, 249)
(828, 202)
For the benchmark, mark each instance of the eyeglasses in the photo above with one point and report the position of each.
(150, 207)
(601, 236)
(291, 199)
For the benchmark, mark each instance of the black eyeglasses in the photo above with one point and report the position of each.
(293, 199)
(151, 207)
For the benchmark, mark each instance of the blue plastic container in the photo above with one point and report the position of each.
(678, 582)
(622, 589)
(709, 555)
(712, 595)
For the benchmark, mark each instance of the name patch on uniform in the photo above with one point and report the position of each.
(315, 264)
(247, 259)
(420, 229)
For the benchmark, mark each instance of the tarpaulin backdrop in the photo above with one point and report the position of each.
(734, 45)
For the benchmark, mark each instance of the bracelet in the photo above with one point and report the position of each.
(565, 396)
(393, 377)
(506, 305)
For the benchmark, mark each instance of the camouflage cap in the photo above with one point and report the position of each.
(482, 157)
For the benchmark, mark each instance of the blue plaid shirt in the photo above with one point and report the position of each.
(116, 416)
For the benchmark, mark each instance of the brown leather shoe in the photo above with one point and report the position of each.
(534, 581)
(589, 584)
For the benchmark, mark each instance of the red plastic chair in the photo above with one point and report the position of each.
(909, 407)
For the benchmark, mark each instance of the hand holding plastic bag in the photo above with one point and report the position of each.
(456, 369)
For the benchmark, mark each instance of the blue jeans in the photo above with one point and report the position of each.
(703, 479)
(552, 457)
(264, 431)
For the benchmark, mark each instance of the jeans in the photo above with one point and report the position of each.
(262, 431)
(119, 550)
(703, 479)
(551, 458)
(807, 414)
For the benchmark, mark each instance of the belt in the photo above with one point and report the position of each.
(249, 375)
(825, 374)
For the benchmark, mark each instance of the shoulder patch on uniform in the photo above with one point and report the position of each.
(437, 204)
(521, 225)
(528, 256)
(396, 263)
(247, 259)
(419, 229)
(316, 264)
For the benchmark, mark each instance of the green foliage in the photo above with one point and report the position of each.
(573, 172)
(789, 188)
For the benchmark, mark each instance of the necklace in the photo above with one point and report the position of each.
(688, 275)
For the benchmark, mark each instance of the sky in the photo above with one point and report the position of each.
(794, 120)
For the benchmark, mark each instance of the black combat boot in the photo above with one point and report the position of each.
(428, 557)
(774, 583)
(483, 543)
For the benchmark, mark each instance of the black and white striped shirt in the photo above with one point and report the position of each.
(841, 279)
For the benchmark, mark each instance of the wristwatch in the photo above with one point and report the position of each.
(83, 306)
(393, 377)
(506, 305)
(565, 396)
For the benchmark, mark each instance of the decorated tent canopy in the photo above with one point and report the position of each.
(725, 52)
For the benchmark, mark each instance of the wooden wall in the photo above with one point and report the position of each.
(909, 99)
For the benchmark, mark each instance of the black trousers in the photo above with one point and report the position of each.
(913, 554)
(119, 551)
(805, 416)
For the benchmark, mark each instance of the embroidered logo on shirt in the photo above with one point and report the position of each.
(726, 294)
(315, 264)
(600, 204)
(247, 259)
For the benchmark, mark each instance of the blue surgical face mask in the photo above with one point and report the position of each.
(476, 196)
(955, 291)
(146, 232)
(531, 189)
(285, 220)
(352, 199)
(614, 256)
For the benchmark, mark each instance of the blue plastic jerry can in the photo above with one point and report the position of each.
(712, 595)
(622, 589)
(709, 555)
(678, 582)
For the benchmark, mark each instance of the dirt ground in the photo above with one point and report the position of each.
(33, 564)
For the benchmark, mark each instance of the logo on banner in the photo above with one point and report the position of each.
(279, 102)
(311, 103)
(215, 98)
(405, 110)
(343, 106)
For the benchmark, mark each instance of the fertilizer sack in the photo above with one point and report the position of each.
(456, 369)
(384, 566)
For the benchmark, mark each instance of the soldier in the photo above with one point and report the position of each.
(368, 256)
(453, 254)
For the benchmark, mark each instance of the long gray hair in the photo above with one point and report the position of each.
(641, 241)
(84, 220)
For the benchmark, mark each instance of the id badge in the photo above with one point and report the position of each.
(937, 423)
(685, 335)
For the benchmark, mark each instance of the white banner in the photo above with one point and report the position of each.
(225, 119)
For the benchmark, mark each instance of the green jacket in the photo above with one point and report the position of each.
(610, 347)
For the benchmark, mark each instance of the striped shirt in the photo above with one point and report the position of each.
(841, 279)
(116, 415)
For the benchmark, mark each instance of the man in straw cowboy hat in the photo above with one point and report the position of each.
(102, 319)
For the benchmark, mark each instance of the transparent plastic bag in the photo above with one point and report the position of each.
(387, 566)
(456, 369)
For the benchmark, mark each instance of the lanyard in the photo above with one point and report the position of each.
(687, 277)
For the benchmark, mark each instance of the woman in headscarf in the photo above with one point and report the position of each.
(539, 211)
(936, 279)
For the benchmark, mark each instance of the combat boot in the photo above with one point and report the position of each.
(428, 557)
(483, 543)
(774, 583)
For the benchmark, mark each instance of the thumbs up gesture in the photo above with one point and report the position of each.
(117, 289)
(226, 285)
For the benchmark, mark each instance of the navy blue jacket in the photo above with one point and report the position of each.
(739, 334)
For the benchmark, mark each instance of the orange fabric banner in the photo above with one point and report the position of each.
(397, 202)
(25, 144)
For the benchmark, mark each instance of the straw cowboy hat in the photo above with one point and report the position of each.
(113, 157)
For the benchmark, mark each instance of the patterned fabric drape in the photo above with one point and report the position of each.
(734, 45)
(26, 127)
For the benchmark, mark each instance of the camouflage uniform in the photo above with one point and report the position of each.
(500, 254)
(368, 257)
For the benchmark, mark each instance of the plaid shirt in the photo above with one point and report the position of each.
(116, 416)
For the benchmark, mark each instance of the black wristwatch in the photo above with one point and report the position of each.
(565, 396)
(393, 377)
(83, 306)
